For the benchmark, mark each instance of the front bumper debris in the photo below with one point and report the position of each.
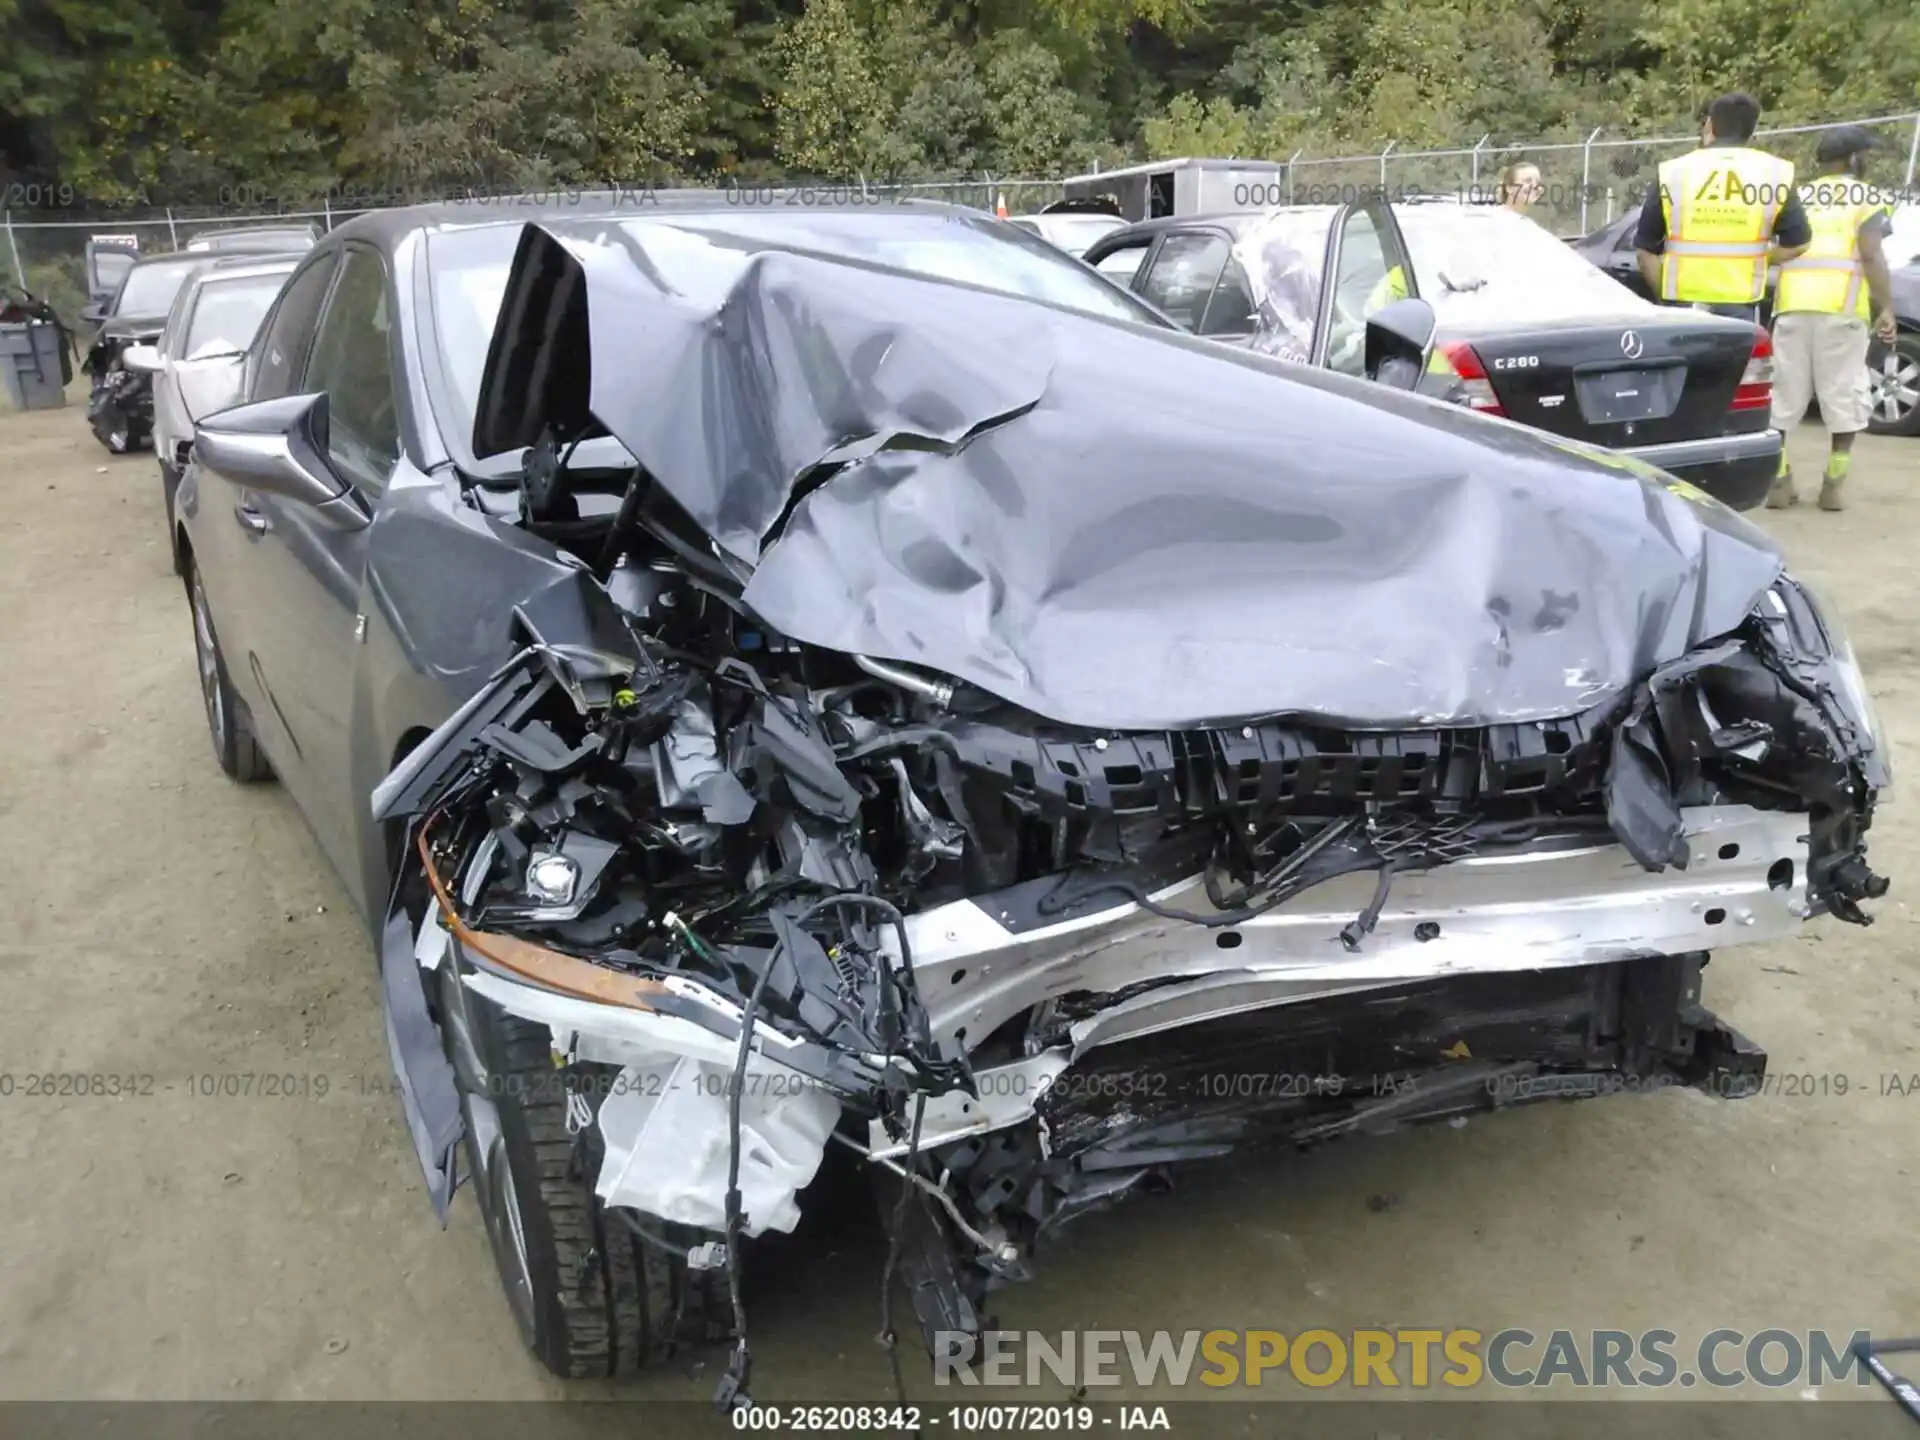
(1026, 969)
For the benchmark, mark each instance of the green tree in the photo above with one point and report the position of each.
(832, 109)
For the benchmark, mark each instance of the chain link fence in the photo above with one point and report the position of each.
(1586, 184)
(47, 256)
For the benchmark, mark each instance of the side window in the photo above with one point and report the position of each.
(281, 346)
(1123, 264)
(352, 362)
(1372, 273)
(174, 333)
(1182, 274)
(1231, 311)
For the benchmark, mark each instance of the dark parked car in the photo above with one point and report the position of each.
(1611, 249)
(771, 678)
(1894, 369)
(120, 400)
(1529, 332)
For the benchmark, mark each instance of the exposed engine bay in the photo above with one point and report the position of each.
(797, 898)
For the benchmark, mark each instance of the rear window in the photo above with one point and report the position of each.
(1482, 262)
(228, 313)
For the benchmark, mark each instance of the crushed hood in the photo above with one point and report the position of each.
(1105, 524)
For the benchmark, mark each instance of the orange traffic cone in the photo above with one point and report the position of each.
(1000, 207)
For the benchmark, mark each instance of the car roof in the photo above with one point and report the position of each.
(248, 267)
(388, 228)
(1234, 222)
(289, 227)
(172, 257)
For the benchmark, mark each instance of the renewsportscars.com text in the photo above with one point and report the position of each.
(1408, 1358)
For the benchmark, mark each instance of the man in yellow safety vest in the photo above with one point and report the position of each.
(1717, 216)
(1831, 298)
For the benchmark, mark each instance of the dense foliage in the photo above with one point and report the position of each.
(225, 101)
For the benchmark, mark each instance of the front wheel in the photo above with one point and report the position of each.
(1894, 371)
(589, 1296)
(233, 744)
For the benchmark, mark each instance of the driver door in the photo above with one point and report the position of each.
(1367, 267)
(308, 628)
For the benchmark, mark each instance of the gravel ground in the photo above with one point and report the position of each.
(168, 925)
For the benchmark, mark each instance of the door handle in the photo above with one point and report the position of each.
(250, 519)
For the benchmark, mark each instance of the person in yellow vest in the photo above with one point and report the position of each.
(1391, 286)
(1831, 298)
(1718, 216)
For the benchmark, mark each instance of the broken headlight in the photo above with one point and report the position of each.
(1821, 636)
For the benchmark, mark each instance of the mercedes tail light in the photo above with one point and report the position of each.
(1471, 388)
(1755, 390)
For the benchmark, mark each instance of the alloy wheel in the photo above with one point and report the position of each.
(207, 656)
(1896, 386)
(493, 1185)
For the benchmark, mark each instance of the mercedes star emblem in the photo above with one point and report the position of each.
(1630, 345)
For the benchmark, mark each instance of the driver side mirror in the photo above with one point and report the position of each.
(94, 313)
(1399, 343)
(142, 357)
(278, 447)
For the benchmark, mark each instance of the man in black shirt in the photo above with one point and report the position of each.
(1728, 123)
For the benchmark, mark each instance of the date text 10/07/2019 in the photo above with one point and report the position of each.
(955, 1419)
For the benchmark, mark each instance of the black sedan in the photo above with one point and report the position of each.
(1526, 329)
(1894, 369)
(786, 677)
(120, 400)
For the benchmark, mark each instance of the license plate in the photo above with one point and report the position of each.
(1616, 396)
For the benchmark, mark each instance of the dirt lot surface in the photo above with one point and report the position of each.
(170, 929)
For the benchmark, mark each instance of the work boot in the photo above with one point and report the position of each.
(1782, 496)
(1834, 481)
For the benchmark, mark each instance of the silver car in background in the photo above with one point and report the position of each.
(1068, 231)
(197, 362)
(258, 239)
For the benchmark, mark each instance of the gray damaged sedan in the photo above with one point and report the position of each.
(787, 682)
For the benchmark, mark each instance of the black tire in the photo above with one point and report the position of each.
(233, 743)
(1896, 380)
(591, 1299)
(169, 487)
